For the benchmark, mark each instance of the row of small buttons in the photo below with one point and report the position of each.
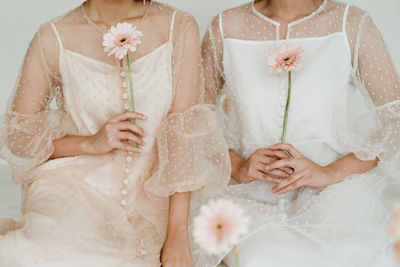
(128, 158)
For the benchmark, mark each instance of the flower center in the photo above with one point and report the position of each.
(286, 59)
(219, 226)
(123, 40)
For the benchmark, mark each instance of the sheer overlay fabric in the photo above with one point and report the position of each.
(110, 209)
(346, 55)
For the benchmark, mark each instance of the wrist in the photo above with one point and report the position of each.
(86, 145)
(334, 173)
(177, 230)
(236, 167)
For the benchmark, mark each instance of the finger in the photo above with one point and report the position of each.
(289, 148)
(293, 186)
(288, 163)
(278, 173)
(267, 178)
(265, 160)
(129, 126)
(131, 137)
(277, 154)
(287, 170)
(286, 182)
(127, 147)
(129, 115)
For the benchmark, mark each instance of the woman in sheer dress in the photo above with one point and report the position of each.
(314, 201)
(90, 196)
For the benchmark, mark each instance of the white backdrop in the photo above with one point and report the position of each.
(19, 20)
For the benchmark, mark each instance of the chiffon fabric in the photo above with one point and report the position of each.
(112, 209)
(347, 62)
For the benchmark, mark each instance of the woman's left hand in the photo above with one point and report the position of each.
(306, 172)
(176, 250)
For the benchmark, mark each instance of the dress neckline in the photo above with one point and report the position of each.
(94, 25)
(276, 23)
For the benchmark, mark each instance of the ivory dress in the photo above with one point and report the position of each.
(108, 210)
(343, 225)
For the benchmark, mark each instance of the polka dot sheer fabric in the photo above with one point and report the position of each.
(109, 209)
(347, 61)
(373, 71)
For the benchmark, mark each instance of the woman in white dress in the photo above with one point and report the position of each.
(90, 196)
(314, 201)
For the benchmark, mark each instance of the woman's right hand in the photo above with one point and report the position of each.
(254, 167)
(117, 133)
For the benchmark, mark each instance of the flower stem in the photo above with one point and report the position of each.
(128, 61)
(235, 251)
(283, 138)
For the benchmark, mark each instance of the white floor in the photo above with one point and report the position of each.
(10, 194)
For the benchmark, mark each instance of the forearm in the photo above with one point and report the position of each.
(236, 163)
(349, 165)
(178, 217)
(70, 146)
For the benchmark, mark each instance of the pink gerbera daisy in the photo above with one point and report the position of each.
(219, 226)
(394, 229)
(121, 39)
(286, 57)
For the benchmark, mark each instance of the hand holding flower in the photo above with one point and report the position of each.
(119, 41)
(117, 133)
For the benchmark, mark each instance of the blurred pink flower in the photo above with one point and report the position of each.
(394, 229)
(219, 226)
(121, 39)
(286, 57)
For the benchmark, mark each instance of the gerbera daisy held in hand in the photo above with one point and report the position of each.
(121, 39)
(219, 226)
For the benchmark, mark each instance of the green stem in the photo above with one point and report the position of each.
(236, 253)
(128, 61)
(283, 138)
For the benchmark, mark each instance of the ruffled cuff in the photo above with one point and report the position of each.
(380, 133)
(192, 155)
(26, 139)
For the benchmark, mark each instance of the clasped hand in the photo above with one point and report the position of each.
(285, 166)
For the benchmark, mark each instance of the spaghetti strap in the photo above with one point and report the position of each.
(345, 15)
(221, 29)
(171, 31)
(57, 36)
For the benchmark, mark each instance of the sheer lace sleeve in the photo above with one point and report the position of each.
(212, 53)
(29, 125)
(191, 148)
(378, 77)
(212, 50)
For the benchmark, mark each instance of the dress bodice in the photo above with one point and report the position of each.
(256, 97)
(95, 91)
